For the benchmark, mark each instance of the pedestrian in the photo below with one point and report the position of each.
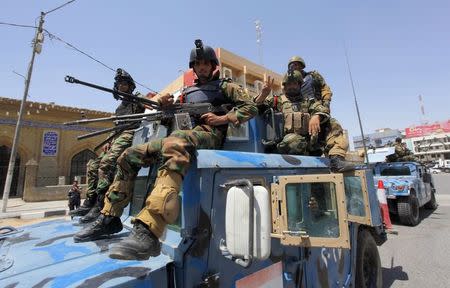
(74, 196)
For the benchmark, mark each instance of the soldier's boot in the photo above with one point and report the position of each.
(139, 245)
(102, 227)
(87, 205)
(339, 165)
(95, 211)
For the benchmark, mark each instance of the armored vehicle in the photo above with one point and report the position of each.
(247, 219)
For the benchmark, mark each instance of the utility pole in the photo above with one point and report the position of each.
(37, 47)
(357, 108)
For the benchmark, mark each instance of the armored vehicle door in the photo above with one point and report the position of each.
(310, 211)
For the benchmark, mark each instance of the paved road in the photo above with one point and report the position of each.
(420, 256)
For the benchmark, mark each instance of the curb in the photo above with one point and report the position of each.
(34, 215)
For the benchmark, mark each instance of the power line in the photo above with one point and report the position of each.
(59, 7)
(55, 37)
(18, 25)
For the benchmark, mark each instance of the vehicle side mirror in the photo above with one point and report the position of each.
(247, 223)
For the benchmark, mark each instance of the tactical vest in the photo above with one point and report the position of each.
(128, 108)
(210, 92)
(296, 115)
(309, 89)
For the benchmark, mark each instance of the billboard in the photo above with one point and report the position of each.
(424, 130)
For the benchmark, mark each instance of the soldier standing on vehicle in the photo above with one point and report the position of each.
(307, 128)
(402, 152)
(100, 171)
(177, 151)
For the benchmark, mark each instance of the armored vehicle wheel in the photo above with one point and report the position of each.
(432, 204)
(408, 210)
(368, 263)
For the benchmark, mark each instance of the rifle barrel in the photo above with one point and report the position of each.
(127, 96)
(111, 118)
(118, 127)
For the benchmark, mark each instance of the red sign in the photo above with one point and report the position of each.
(423, 130)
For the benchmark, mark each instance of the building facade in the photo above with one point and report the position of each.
(430, 142)
(46, 143)
(381, 138)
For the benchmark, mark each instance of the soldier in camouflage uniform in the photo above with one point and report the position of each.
(307, 126)
(100, 171)
(402, 153)
(177, 151)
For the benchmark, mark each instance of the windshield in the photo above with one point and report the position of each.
(396, 170)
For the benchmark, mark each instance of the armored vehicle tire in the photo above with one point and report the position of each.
(408, 210)
(368, 263)
(432, 204)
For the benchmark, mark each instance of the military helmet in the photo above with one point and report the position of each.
(122, 75)
(202, 52)
(293, 76)
(297, 59)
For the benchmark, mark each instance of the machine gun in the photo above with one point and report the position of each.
(122, 95)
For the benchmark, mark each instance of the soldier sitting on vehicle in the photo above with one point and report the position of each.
(100, 171)
(307, 126)
(177, 151)
(402, 153)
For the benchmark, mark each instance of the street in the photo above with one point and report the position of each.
(420, 256)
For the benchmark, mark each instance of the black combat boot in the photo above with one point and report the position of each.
(87, 205)
(139, 245)
(94, 212)
(103, 226)
(339, 165)
(91, 216)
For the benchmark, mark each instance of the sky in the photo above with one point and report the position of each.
(398, 49)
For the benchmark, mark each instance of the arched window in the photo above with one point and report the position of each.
(78, 163)
(5, 153)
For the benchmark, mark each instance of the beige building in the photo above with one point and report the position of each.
(48, 153)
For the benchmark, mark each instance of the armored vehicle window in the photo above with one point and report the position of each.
(354, 196)
(395, 171)
(238, 133)
(311, 208)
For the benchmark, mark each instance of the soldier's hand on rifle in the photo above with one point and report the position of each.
(214, 120)
(314, 125)
(166, 100)
(106, 147)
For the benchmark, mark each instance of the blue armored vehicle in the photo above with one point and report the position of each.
(408, 186)
(246, 220)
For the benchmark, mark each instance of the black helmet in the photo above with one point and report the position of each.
(122, 75)
(202, 52)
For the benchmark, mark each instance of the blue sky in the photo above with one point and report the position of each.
(397, 49)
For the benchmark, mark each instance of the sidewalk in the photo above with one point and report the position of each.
(17, 208)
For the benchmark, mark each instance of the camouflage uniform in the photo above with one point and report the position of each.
(177, 152)
(335, 142)
(100, 171)
(403, 154)
(297, 140)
